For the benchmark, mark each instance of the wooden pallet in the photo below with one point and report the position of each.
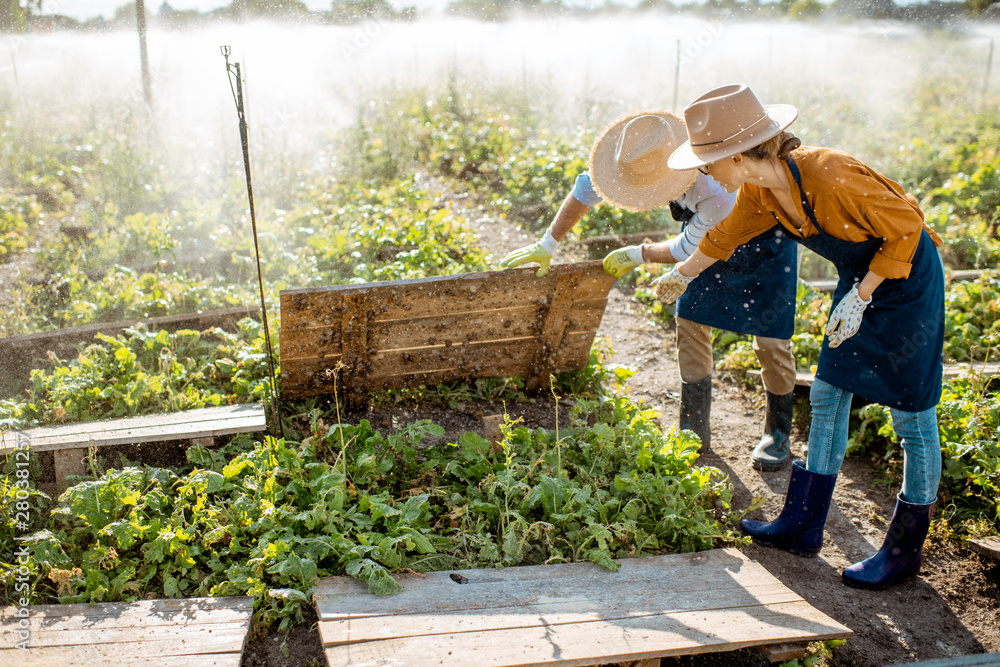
(412, 332)
(196, 632)
(960, 275)
(71, 442)
(805, 379)
(987, 546)
(20, 354)
(568, 614)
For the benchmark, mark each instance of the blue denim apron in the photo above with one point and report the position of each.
(753, 292)
(895, 358)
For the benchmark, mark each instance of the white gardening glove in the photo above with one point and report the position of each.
(845, 320)
(539, 253)
(671, 286)
(619, 262)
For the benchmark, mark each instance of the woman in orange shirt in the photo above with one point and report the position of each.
(885, 334)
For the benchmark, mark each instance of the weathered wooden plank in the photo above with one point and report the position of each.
(119, 436)
(551, 333)
(805, 379)
(184, 418)
(960, 275)
(429, 330)
(782, 652)
(337, 597)
(106, 656)
(193, 632)
(646, 567)
(189, 424)
(441, 329)
(987, 546)
(142, 612)
(395, 369)
(622, 601)
(403, 299)
(596, 642)
(68, 462)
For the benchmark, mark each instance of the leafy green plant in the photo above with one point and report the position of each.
(268, 518)
(145, 372)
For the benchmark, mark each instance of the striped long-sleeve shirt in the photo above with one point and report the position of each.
(709, 202)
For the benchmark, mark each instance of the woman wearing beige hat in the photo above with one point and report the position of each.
(752, 293)
(885, 333)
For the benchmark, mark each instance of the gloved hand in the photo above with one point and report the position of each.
(531, 253)
(845, 320)
(671, 286)
(619, 262)
(539, 252)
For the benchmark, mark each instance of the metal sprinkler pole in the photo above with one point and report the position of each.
(233, 70)
(140, 19)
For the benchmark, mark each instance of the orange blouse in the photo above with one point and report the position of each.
(850, 200)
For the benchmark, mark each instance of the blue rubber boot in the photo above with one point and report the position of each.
(900, 555)
(799, 527)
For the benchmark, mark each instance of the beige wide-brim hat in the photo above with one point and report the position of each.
(628, 164)
(726, 121)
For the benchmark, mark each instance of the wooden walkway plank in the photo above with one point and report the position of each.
(685, 564)
(142, 613)
(987, 546)
(521, 586)
(170, 633)
(569, 614)
(621, 603)
(189, 424)
(598, 642)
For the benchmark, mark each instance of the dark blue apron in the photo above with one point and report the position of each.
(895, 358)
(753, 292)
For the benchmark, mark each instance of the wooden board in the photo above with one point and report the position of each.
(961, 275)
(805, 379)
(190, 424)
(192, 633)
(410, 332)
(568, 614)
(20, 354)
(987, 546)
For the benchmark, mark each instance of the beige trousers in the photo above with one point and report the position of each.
(695, 362)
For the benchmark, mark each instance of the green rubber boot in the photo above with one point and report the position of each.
(696, 407)
(774, 449)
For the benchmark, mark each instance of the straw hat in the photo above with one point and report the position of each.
(727, 121)
(628, 165)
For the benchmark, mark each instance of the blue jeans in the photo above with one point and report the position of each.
(918, 431)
